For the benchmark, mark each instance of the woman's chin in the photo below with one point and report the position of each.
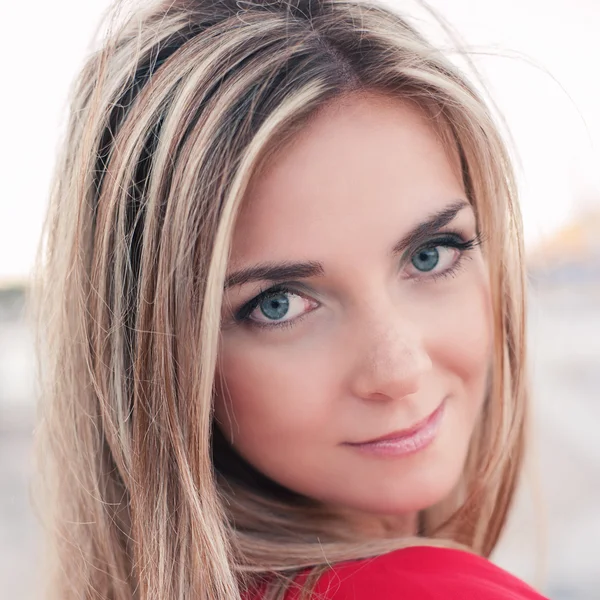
(413, 490)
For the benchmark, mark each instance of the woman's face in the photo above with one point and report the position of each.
(379, 314)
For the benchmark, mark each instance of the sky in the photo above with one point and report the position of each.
(540, 60)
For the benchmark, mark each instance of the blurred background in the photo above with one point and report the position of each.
(540, 62)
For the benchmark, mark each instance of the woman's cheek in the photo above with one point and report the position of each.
(269, 390)
(461, 335)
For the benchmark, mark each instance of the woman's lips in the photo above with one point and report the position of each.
(405, 441)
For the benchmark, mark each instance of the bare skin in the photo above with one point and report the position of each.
(366, 341)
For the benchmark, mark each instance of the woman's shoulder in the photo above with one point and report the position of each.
(419, 573)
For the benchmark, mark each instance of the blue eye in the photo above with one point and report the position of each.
(275, 307)
(441, 257)
(426, 259)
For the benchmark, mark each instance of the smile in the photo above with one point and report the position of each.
(406, 441)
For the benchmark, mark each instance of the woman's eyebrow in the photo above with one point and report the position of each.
(274, 272)
(430, 226)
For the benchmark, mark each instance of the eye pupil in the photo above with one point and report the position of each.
(275, 307)
(426, 259)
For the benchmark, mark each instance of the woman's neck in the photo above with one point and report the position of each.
(374, 526)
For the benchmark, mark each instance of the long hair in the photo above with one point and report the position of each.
(169, 120)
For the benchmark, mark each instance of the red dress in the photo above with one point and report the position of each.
(418, 573)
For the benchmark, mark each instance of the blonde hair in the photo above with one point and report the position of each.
(170, 119)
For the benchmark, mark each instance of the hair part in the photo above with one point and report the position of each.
(170, 120)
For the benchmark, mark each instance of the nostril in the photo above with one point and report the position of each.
(390, 372)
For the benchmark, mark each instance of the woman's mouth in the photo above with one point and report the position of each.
(406, 441)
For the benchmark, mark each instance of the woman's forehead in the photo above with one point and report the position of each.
(358, 169)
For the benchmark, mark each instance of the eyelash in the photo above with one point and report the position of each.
(450, 240)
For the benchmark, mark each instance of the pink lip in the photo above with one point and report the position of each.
(405, 441)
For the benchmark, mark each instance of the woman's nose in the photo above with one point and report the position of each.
(391, 361)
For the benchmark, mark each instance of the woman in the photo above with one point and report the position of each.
(283, 314)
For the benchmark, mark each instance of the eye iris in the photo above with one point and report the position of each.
(426, 259)
(275, 307)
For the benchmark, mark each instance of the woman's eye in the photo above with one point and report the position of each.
(279, 307)
(438, 258)
(442, 257)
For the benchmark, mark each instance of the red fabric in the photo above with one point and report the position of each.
(418, 573)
